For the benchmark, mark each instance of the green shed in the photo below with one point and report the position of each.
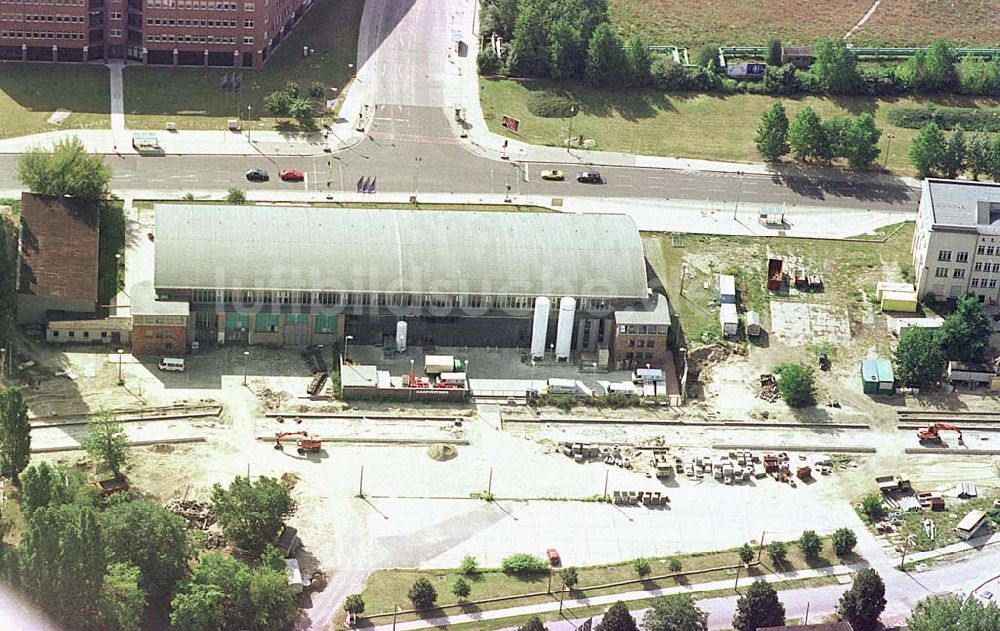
(877, 376)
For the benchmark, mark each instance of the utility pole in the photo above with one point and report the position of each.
(489, 484)
(888, 144)
(739, 193)
(361, 482)
(760, 550)
(606, 474)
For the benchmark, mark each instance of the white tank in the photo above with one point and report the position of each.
(540, 327)
(401, 336)
(564, 332)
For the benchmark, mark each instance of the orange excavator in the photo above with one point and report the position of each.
(307, 443)
(932, 433)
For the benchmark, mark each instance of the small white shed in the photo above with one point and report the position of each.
(753, 323)
(729, 320)
(727, 289)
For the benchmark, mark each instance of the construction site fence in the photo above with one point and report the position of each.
(680, 53)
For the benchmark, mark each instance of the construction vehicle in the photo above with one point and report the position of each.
(306, 443)
(932, 433)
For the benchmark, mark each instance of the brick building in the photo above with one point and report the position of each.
(231, 33)
(642, 335)
(58, 249)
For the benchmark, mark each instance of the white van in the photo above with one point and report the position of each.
(172, 364)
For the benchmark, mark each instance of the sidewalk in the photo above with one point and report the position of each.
(604, 600)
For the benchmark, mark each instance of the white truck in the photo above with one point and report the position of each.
(437, 364)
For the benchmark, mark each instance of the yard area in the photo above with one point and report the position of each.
(850, 271)
(751, 22)
(944, 522)
(689, 125)
(31, 92)
(192, 97)
(387, 588)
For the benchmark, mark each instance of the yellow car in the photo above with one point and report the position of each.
(553, 175)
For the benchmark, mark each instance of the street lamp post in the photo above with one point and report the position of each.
(739, 193)
(888, 143)
(416, 177)
(532, 374)
(347, 338)
(248, 126)
(120, 353)
(593, 375)
(569, 139)
(246, 362)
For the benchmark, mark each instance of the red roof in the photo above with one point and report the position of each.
(60, 237)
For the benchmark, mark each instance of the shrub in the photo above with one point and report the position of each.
(782, 80)
(707, 56)
(469, 566)
(810, 544)
(778, 552)
(844, 541)
(523, 564)
(550, 105)
(460, 588)
(489, 63)
(642, 567)
(795, 383)
(674, 565)
(746, 554)
(422, 594)
(773, 52)
(872, 507)
(569, 577)
(236, 196)
(317, 90)
(968, 118)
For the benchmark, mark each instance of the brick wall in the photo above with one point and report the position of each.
(159, 340)
(624, 343)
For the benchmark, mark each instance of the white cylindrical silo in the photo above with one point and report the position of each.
(564, 330)
(539, 327)
(401, 336)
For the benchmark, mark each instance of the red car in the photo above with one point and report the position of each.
(553, 556)
(291, 175)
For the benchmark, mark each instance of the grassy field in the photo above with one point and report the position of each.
(850, 270)
(155, 95)
(707, 126)
(750, 22)
(387, 588)
(944, 523)
(30, 93)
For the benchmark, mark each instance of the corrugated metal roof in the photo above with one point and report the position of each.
(884, 371)
(400, 251)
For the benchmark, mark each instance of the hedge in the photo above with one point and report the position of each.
(968, 118)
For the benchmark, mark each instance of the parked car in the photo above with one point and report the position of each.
(291, 175)
(589, 177)
(553, 557)
(257, 175)
(550, 174)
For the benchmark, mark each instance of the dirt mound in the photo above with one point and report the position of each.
(289, 479)
(163, 448)
(442, 453)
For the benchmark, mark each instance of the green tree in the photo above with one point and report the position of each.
(772, 135)
(807, 136)
(918, 357)
(795, 384)
(778, 552)
(773, 52)
(836, 66)
(844, 541)
(642, 568)
(354, 605)
(746, 554)
(606, 58)
(533, 624)
(640, 61)
(252, 513)
(707, 57)
(953, 156)
(864, 602)
(927, 149)
(106, 442)
(8, 288)
(758, 607)
(44, 484)
(422, 594)
(617, 618)
(527, 54)
(965, 334)
(148, 536)
(278, 103)
(994, 159)
(273, 604)
(236, 196)
(461, 588)
(569, 577)
(273, 558)
(317, 90)
(63, 563)
(934, 69)
(199, 608)
(567, 49)
(953, 613)
(872, 507)
(859, 142)
(122, 600)
(65, 170)
(676, 612)
(231, 577)
(810, 544)
(977, 155)
(469, 566)
(301, 109)
(15, 435)
(487, 60)
(674, 565)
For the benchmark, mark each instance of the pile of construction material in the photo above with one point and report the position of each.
(646, 498)
(744, 466)
(197, 514)
(768, 390)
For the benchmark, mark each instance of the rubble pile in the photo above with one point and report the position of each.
(197, 514)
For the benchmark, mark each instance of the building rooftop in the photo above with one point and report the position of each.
(960, 203)
(398, 251)
(60, 240)
(143, 302)
(655, 311)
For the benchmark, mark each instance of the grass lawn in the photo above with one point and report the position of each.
(944, 523)
(689, 125)
(155, 94)
(750, 22)
(387, 588)
(30, 93)
(850, 270)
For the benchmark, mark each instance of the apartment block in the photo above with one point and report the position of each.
(156, 32)
(956, 244)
